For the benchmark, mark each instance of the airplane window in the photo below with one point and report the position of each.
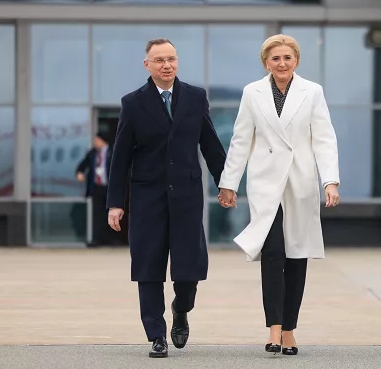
(75, 152)
(45, 155)
(60, 154)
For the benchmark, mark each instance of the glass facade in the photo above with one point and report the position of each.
(77, 67)
(7, 108)
(58, 223)
(61, 111)
(118, 54)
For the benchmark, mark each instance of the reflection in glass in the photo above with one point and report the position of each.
(57, 133)
(7, 144)
(119, 51)
(7, 64)
(223, 120)
(225, 224)
(234, 59)
(58, 222)
(353, 127)
(310, 41)
(60, 59)
(342, 84)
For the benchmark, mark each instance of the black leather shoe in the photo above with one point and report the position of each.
(272, 347)
(159, 348)
(180, 329)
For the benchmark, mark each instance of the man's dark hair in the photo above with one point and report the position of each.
(103, 136)
(157, 41)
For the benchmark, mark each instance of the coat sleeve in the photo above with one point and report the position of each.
(324, 143)
(211, 146)
(240, 145)
(84, 164)
(121, 160)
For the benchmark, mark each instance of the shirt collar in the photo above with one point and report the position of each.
(161, 90)
(275, 87)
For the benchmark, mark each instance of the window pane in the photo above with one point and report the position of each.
(223, 120)
(60, 63)
(58, 222)
(7, 143)
(343, 61)
(353, 126)
(225, 224)
(310, 41)
(234, 59)
(118, 54)
(60, 141)
(7, 64)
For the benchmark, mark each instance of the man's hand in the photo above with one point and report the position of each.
(80, 177)
(331, 196)
(227, 198)
(114, 216)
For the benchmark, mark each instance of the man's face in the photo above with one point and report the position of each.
(98, 143)
(161, 62)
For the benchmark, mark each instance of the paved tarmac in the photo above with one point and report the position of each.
(76, 308)
(191, 357)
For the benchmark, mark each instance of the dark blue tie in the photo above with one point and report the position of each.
(166, 95)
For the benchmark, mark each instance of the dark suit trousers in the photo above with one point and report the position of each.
(283, 279)
(152, 306)
(101, 233)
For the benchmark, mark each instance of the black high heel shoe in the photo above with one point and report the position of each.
(290, 350)
(272, 347)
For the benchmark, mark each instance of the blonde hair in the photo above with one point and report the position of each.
(279, 40)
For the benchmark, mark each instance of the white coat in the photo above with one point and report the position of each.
(281, 154)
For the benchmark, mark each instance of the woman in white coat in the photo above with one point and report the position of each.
(283, 132)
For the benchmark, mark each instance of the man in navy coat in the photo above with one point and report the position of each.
(161, 127)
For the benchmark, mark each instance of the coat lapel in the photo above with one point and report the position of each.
(266, 104)
(152, 102)
(181, 104)
(295, 97)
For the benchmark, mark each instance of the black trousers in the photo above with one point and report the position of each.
(103, 234)
(152, 305)
(283, 279)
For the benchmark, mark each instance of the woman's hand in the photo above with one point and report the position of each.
(332, 197)
(227, 198)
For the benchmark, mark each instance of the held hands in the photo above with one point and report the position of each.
(114, 216)
(331, 196)
(227, 198)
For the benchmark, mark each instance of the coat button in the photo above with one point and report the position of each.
(171, 187)
(289, 149)
(170, 161)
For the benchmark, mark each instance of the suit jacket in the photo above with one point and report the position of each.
(88, 164)
(281, 155)
(166, 192)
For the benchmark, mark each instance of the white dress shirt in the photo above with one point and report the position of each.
(170, 90)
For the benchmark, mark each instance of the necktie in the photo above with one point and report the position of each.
(166, 95)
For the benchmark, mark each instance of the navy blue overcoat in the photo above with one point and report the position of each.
(166, 192)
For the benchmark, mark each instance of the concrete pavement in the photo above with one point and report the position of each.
(85, 297)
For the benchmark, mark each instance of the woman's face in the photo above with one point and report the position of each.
(281, 62)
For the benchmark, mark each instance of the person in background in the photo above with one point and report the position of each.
(94, 169)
